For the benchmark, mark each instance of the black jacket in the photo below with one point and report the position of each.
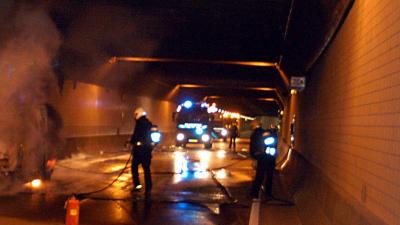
(234, 131)
(141, 140)
(257, 147)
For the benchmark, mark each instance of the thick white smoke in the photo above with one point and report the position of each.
(26, 81)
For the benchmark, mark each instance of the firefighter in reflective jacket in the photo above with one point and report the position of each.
(265, 162)
(141, 150)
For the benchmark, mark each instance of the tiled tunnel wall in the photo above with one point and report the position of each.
(349, 114)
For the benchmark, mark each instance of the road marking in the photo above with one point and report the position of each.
(255, 212)
(242, 155)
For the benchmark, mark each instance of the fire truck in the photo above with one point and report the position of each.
(194, 125)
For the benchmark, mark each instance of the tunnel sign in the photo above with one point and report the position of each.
(298, 83)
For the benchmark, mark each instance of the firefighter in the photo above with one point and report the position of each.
(265, 162)
(141, 151)
(233, 133)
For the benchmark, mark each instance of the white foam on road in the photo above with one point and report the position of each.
(82, 160)
(81, 173)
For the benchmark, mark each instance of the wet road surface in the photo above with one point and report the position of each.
(190, 186)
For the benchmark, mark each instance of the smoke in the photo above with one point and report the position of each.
(102, 31)
(26, 82)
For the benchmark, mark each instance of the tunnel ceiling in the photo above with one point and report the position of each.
(254, 30)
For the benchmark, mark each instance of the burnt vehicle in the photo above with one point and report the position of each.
(28, 151)
(194, 125)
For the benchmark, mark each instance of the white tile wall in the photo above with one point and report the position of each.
(350, 113)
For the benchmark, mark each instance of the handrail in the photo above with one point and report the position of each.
(285, 160)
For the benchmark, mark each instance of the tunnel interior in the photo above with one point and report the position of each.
(93, 62)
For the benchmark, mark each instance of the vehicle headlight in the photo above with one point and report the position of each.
(270, 151)
(199, 131)
(205, 137)
(155, 137)
(224, 132)
(269, 140)
(180, 137)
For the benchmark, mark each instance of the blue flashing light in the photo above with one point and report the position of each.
(199, 131)
(269, 140)
(188, 104)
(270, 151)
(155, 137)
(184, 174)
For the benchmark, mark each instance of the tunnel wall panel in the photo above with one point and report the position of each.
(349, 125)
(91, 110)
(94, 116)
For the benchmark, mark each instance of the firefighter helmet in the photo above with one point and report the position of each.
(139, 112)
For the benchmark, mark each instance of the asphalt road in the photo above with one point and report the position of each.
(190, 186)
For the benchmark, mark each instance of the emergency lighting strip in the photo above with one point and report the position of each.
(210, 109)
(259, 99)
(230, 114)
(280, 101)
(277, 92)
(282, 73)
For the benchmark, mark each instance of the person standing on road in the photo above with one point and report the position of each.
(233, 134)
(141, 150)
(265, 162)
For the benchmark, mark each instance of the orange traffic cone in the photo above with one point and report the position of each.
(72, 206)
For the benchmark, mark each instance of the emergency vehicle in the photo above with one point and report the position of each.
(194, 125)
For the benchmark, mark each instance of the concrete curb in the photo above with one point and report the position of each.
(255, 212)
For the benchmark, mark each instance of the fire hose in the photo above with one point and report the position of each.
(83, 195)
(72, 204)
